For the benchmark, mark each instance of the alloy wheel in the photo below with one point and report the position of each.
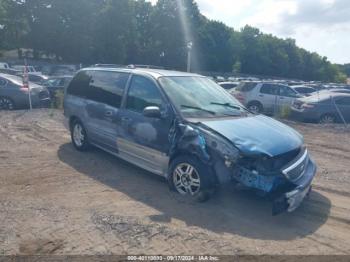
(327, 119)
(6, 104)
(186, 179)
(254, 109)
(78, 135)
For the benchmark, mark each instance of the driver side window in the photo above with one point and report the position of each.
(142, 93)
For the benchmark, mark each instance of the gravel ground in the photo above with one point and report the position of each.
(55, 200)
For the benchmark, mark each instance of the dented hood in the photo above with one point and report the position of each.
(257, 134)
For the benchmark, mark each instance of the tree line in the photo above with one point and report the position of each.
(136, 32)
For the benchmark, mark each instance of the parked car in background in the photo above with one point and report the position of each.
(35, 78)
(322, 107)
(337, 90)
(30, 69)
(265, 97)
(53, 84)
(4, 65)
(305, 90)
(14, 96)
(189, 130)
(59, 70)
(219, 79)
(9, 71)
(228, 85)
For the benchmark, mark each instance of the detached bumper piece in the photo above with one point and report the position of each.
(291, 200)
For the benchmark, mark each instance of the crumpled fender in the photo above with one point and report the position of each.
(184, 138)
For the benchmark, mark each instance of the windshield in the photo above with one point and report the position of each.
(200, 97)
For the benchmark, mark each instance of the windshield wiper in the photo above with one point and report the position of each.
(199, 108)
(230, 106)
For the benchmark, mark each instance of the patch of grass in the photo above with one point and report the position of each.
(57, 102)
(285, 112)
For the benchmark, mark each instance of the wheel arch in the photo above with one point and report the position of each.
(72, 119)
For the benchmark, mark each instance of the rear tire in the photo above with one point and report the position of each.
(6, 104)
(255, 107)
(327, 119)
(79, 136)
(190, 177)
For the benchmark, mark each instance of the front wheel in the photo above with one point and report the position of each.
(190, 177)
(6, 104)
(79, 137)
(255, 107)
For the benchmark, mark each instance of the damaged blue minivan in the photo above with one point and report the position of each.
(188, 129)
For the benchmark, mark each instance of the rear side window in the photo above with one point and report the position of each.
(108, 87)
(142, 93)
(246, 86)
(269, 89)
(79, 86)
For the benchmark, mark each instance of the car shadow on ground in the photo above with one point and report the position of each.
(229, 211)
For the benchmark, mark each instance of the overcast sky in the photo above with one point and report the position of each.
(316, 25)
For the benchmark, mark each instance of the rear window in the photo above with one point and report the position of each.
(101, 86)
(108, 87)
(246, 86)
(80, 84)
(270, 89)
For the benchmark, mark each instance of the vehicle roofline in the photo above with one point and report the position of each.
(155, 73)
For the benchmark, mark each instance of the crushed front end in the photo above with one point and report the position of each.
(273, 162)
(286, 178)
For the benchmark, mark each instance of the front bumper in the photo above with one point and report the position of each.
(303, 116)
(291, 200)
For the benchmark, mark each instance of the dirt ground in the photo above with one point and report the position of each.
(55, 200)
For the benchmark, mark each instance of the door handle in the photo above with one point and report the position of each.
(281, 97)
(108, 113)
(261, 95)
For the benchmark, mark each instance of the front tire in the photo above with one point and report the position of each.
(190, 177)
(79, 136)
(6, 104)
(255, 107)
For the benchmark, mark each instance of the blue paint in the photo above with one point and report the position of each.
(254, 180)
(257, 134)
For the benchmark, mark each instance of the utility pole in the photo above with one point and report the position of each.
(26, 82)
(189, 49)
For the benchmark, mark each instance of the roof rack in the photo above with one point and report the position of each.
(108, 65)
(132, 66)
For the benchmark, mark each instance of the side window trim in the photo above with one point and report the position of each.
(126, 91)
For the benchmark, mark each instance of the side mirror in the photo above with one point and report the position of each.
(152, 111)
